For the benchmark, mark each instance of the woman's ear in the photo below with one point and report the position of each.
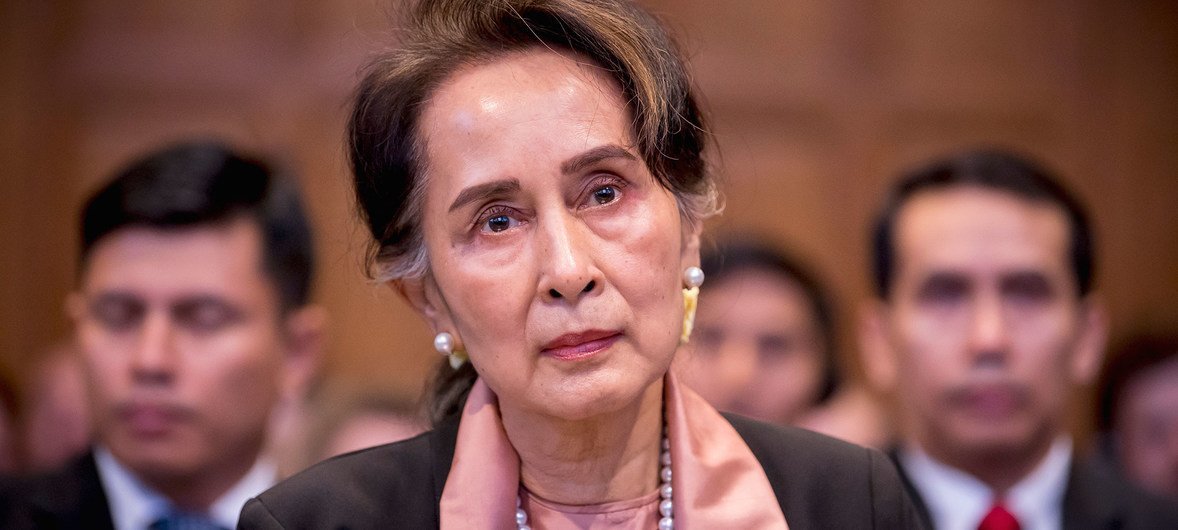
(423, 295)
(691, 238)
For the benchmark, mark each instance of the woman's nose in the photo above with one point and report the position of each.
(567, 268)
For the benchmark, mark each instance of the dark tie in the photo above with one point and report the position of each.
(999, 518)
(185, 521)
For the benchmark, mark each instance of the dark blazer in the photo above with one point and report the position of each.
(820, 483)
(1095, 499)
(71, 497)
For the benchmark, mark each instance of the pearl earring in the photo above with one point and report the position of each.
(693, 277)
(444, 343)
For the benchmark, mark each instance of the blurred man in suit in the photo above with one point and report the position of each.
(191, 313)
(984, 326)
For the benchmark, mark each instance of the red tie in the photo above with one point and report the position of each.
(999, 519)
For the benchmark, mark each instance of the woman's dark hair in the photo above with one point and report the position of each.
(441, 36)
(735, 256)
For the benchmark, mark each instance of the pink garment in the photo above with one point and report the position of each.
(717, 481)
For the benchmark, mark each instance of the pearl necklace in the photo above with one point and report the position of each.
(666, 509)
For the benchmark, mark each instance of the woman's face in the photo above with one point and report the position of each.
(757, 348)
(555, 256)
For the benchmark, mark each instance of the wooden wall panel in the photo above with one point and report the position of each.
(817, 105)
(35, 186)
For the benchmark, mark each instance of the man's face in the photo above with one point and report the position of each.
(984, 324)
(183, 344)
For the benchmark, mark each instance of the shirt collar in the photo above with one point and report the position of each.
(1037, 499)
(957, 500)
(134, 505)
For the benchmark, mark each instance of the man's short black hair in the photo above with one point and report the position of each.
(738, 255)
(989, 169)
(203, 183)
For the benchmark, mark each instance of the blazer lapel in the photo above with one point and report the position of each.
(917, 500)
(442, 443)
(1088, 504)
(70, 498)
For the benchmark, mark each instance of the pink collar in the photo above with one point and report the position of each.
(718, 482)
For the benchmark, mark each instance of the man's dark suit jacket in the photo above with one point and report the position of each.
(71, 498)
(1095, 499)
(820, 483)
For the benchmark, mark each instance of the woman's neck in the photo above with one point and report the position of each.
(610, 457)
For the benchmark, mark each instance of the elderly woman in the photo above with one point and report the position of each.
(532, 174)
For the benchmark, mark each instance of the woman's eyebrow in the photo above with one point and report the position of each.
(482, 191)
(592, 156)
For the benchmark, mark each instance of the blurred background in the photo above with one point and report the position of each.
(816, 106)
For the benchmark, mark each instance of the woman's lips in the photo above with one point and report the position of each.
(574, 346)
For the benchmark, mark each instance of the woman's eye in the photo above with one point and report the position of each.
(605, 195)
(498, 220)
(499, 223)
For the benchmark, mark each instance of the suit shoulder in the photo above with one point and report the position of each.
(799, 449)
(69, 497)
(823, 482)
(391, 482)
(1097, 492)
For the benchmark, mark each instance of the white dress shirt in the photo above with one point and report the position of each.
(135, 506)
(958, 501)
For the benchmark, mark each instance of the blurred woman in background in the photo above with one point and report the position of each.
(765, 346)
